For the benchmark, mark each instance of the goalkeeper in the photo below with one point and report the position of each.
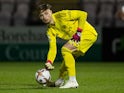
(70, 25)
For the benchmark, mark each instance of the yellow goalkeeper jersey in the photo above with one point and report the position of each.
(66, 24)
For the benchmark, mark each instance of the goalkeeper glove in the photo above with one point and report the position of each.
(49, 65)
(76, 36)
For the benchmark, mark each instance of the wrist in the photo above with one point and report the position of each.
(49, 61)
(79, 30)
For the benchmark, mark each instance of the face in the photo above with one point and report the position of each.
(46, 16)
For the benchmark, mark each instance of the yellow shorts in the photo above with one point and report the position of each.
(87, 40)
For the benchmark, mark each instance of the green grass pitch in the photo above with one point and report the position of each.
(93, 77)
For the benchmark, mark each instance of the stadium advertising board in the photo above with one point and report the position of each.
(31, 44)
(23, 44)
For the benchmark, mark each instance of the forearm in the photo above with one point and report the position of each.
(82, 20)
(51, 54)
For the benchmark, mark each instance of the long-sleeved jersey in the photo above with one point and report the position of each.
(66, 24)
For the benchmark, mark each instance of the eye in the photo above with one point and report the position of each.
(46, 13)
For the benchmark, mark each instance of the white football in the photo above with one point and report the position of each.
(43, 76)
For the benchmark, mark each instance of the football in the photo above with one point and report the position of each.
(43, 76)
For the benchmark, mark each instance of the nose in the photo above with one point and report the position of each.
(44, 17)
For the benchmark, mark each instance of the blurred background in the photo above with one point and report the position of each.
(22, 34)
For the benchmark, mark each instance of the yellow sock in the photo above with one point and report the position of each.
(69, 61)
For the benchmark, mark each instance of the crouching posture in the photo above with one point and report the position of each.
(70, 25)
